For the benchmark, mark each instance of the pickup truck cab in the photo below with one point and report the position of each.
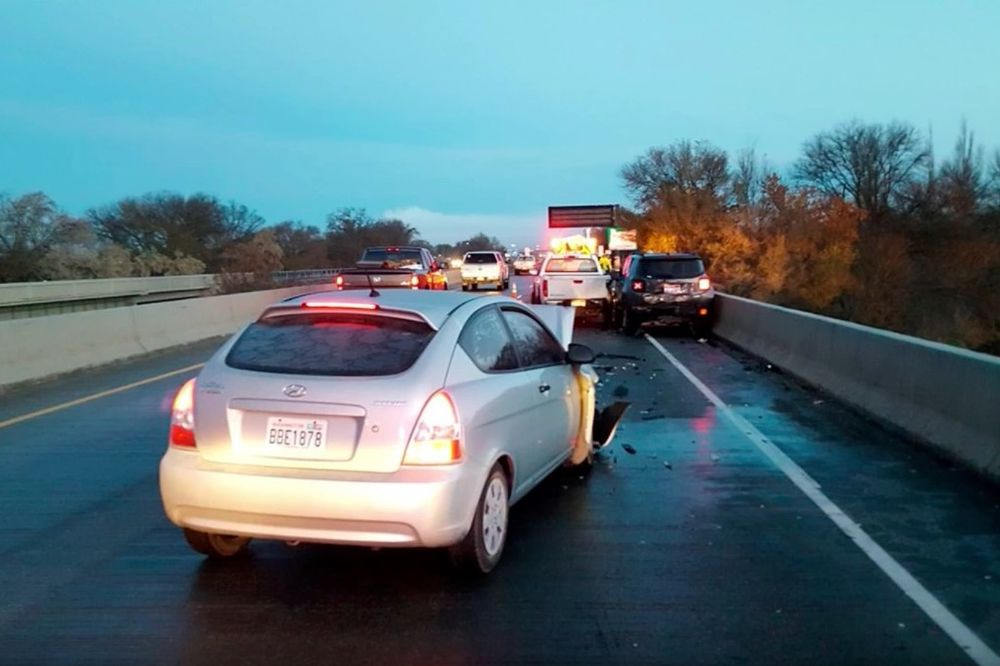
(578, 281)
(388, 267)
(484, 267)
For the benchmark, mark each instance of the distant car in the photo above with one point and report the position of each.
(663, 288)
(405, 419)
(393, 267)
(523, 264)
(482, 268)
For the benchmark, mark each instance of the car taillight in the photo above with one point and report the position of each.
(638, 285)
(414, 282)
(182, 417)
(339, 282)
(704, 284)
(545, 288)
(437, 438)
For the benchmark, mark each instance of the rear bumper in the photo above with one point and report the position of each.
(695, 308)
(588, 304)
(428, 507)
(481, 279)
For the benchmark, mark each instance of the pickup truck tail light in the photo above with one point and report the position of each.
(437, 438)
(639, 285)
(704, 284)
(545, 288)
(182, 417)
(414, 282)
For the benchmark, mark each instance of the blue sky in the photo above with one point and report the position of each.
(457, 115)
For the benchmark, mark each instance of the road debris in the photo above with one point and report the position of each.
(629, 449)
(666, 463)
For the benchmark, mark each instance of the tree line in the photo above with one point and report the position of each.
(866, 226)
(166, 233)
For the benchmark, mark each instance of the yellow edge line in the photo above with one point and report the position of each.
(95, 396)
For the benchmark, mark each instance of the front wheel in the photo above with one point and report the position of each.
(216, 546)
(480, 550)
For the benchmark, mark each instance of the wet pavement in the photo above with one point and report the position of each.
(684, 545)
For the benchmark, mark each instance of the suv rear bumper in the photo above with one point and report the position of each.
(692, 309)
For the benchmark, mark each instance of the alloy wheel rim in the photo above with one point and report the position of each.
(495, 516)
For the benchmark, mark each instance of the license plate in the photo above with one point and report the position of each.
(672, 288)
(578, 303)
(289, 434)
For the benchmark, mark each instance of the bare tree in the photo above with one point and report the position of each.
(29, 226)
(749, 184)
(871, 165)
(683, 166)
(963, 178)
(165, 223)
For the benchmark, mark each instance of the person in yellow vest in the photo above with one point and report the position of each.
(605, 263)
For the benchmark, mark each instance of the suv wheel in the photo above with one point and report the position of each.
(630, 322)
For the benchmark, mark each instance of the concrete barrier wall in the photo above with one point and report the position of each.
(20, 293)
(35, 348)
(944, 396)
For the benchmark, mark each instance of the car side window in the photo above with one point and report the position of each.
(535, 345)
(486, 340)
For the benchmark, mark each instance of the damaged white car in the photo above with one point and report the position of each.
(402, 418)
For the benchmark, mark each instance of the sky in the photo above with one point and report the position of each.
(458, 116)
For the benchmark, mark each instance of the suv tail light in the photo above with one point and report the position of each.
(437, 438)
(704, 284)
(639, 285)
(182, 417)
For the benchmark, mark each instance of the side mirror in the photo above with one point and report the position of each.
(579, 354)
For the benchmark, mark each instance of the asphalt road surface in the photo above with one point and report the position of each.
(697, 548)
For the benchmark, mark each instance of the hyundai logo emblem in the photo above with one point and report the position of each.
(294, 390)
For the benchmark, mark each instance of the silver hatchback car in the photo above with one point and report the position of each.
(406, 418)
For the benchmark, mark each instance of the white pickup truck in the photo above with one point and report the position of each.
(484, 267)
(576, 281)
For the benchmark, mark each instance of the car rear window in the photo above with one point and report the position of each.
(392, 258)
(571, 265)
(671, 269)
(353, 345)
(481, 258)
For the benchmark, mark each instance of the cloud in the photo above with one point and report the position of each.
(436, 227)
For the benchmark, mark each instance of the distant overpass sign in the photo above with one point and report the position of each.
(570, 217)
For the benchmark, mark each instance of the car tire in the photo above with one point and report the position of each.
(701, 328)
(535, 300)
(479, 552)
(216, 546)
(506, 285)
(630, 323)
(465, 287)
(474, 287)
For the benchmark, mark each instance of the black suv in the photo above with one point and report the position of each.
(667, 288)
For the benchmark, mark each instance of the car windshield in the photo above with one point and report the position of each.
(392, 258)
(571, 265)
(671, 269)
(481, 258)
(356, 345)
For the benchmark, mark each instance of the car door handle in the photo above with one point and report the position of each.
(544, 388)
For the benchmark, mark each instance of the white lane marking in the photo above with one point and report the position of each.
(964, 637)
(95, 396)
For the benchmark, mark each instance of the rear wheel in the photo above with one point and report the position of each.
(480, 550)
(218, 546)
(474, 286)
(465, 287)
